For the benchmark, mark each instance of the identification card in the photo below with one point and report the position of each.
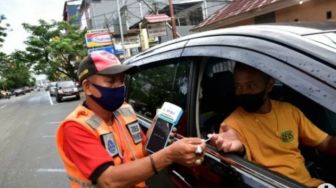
(134, 130)
(110, 144)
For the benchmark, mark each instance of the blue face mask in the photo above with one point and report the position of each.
(111, 98)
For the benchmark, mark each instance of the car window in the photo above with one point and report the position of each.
(149, 88)
(66, 84)
(316, 113)
(53, 84)
(217, 101)
(217, 94)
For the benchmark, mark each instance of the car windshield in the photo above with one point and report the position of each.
(53, 84)
(66, 84)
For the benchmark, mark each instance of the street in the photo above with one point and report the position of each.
(28, 155)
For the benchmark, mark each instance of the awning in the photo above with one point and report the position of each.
(155, 18)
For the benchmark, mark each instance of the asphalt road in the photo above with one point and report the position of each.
(28, 155)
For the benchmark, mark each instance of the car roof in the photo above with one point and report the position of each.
(288, 44)
(290, 34)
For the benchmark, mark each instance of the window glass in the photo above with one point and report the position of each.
(217, 94)
(217, 99)
(66, 84)
(149, 88)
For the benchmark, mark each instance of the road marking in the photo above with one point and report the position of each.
(48, 136)
(50, 100)
(50, 170)
(3, 107)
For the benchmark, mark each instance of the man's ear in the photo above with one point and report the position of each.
(86, 87)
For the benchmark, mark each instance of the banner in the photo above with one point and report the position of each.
(109, 49)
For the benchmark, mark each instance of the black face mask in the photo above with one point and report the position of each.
(251, 102)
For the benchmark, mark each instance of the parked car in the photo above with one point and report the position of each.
(19, 91)
(26, 89)
(66, 89)
(195, 72)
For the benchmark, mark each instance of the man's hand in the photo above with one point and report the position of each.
(227, 140)
(186, 151)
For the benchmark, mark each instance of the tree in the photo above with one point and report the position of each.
(54, 48)
(68, 48)
(3, 68)
(15, 71)
(38, 52)
(3, 29)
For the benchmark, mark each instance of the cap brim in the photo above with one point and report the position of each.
(117, 69)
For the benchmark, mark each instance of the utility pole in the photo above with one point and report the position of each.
(205, 12)
(140, 6)
(93, 15)
(171, 8)
(120, 24)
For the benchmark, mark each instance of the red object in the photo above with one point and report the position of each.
(84, 149)
(104, 60)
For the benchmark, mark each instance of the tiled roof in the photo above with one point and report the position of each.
(235, 8)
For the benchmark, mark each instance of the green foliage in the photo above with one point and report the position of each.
(14, 71)
(3, 28)
(54, 48)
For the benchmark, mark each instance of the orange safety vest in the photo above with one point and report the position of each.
(123, 142)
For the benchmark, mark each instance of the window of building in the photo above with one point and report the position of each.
(329, 15)
(182, 21)
(266, 18)
(196, 16)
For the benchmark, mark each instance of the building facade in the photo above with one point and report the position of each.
(246, 12)
(103, 14)
(71, 11)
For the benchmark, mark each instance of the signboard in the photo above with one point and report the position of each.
(157, 29)
(98, 38)
(118, 49)
(109, 49)
(157, 18)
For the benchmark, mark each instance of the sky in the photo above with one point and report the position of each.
(26, 11)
